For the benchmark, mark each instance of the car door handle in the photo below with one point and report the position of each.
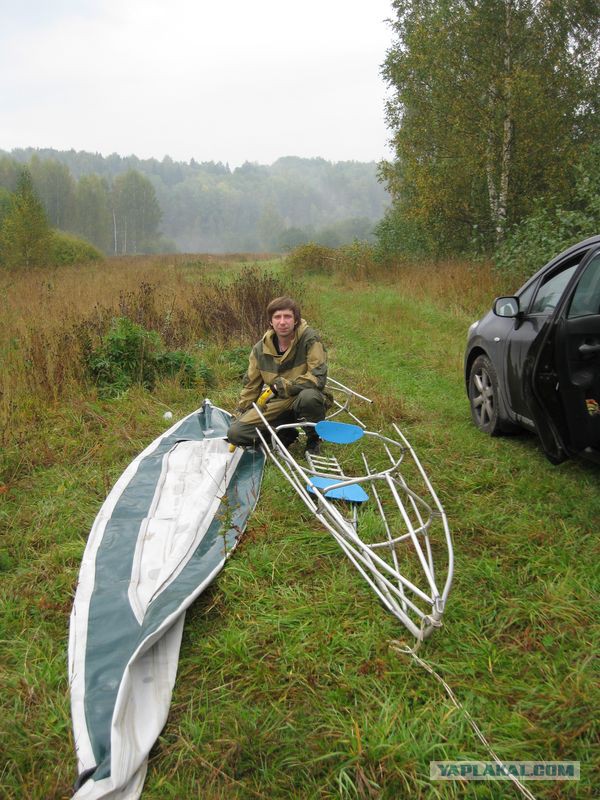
(589, 349)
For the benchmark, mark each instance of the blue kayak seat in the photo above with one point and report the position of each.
(338, 432)
(354, 493)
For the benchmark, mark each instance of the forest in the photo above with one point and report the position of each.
(492, 111)
(126, 205)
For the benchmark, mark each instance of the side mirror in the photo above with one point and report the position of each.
(506, 307)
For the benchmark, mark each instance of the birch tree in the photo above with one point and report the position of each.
(55, 187)
(94, 218)
(136, 213)
(492, 101)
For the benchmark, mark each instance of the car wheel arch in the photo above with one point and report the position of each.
(473, 355)
(503, 424)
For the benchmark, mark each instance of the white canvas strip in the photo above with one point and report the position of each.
(189, 492)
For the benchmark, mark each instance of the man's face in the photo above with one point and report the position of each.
(283, 322)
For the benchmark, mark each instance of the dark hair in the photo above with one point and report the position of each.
(284, 303)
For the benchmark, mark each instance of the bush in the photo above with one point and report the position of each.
(311, 258)
(237, 309)
(68, 249)
(291, 238)
(400, 237)
(130, 354)
(126, 355)
(540, 237)
(356, 260)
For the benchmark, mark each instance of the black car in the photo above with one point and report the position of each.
(533, 361)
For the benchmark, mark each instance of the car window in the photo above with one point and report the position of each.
(586, 299)
(551, 290)
(525, 297)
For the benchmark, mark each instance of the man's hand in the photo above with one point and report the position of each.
(281, 387)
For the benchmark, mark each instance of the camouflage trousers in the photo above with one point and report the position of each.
(310, 406)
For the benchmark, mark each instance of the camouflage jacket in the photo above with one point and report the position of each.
(303, 365)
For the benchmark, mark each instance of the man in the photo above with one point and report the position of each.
(290, 359)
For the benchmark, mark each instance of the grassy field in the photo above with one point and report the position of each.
(288, 686)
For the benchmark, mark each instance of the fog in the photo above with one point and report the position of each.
(229, 82)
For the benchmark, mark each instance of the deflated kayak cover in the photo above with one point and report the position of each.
(162, 535)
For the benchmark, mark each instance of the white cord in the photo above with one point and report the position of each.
(398, 647)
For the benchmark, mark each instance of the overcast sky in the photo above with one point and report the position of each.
(214, 80)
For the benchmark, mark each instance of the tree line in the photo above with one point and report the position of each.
(130, 205)
(493, 114)
(493, 111)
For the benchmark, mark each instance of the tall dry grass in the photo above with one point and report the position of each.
(53, 318)
(460, 285)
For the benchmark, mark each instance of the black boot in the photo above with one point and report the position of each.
(313, 443)
(288, 436)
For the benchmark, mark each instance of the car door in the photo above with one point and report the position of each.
(537, 304)
(565, 368)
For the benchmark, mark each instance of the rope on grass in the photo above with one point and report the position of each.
(404, 649)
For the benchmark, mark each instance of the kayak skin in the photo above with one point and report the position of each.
(160, 538)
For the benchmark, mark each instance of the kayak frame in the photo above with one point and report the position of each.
(327, 492)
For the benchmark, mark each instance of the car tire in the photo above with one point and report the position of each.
(483, 396)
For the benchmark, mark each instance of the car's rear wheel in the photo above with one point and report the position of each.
(483, 396)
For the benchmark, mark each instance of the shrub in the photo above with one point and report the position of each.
(237, 309)
(130, 354)
(400, 237)
(540, 237)
(126, 355)
(291, 238)
(68, 249)
(311, 258)
(356, 260)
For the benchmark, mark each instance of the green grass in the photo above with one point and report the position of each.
(287, 685)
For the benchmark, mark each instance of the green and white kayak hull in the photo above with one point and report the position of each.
(162, 535)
